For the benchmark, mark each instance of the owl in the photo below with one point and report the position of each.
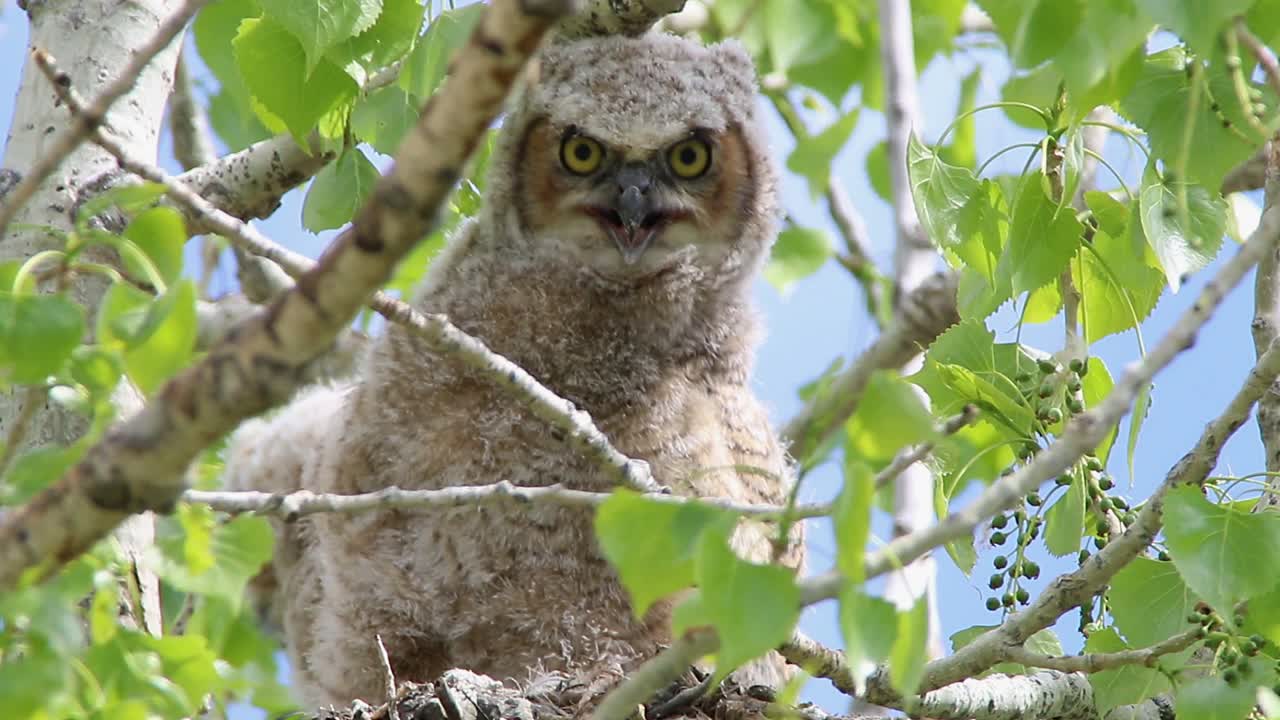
(630, 203)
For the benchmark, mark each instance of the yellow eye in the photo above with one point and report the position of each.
(581, 155)
(689, 158)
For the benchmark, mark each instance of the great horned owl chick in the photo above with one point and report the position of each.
(630, 204)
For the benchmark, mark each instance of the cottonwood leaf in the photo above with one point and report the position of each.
(1185, 239)
(1224, 554)
(320, 24)
(852, 518)
(426, 65)
(1064, 520)
(1196, 21)
(889, 417)
(339, 191)
(1211, 698)
(653, 545)
(940, 192)
(1149, 601)
(1034, 30)
(870, 626)
(1043, 237)
(798, 253)
(37, 335)
(161, 233)
(812, 156)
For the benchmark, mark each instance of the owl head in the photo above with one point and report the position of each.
(628, 159)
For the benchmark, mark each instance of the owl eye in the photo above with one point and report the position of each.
(689, 158)
(581, 155)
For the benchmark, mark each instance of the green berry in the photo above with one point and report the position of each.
(1093, 463)
(1030, 569)
(1001, 562)
(1230, 677)
(996, 581)
(1163, 556)
(1073, 383)
(1106, 483)
(1045, 391)
(1024, 597)
(1074, 405)
(998, 522)
(998, 538)
(993, 603)
(1077, 366)
(1034, 500)
(1023, 377)
(1063, 480)
(1007, 599)
(1083, 556)
(1047, 366)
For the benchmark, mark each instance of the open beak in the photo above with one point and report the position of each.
(632, 222)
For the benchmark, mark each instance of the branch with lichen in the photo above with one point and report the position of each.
(139, 463)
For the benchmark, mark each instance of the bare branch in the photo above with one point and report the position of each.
(192, 139)
(1266, 328)
(304, 502)
(95, 114)
(1098, 662)
(617, 17)
(139, 463)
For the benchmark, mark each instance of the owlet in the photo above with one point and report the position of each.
(630, 203)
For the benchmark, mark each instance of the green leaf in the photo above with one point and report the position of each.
(964, 365)
(1038, 88)
(292, 91)
(320, 24)
(1185, 239)
(852, 518)
(97, 368)
(1224, 554)
(1043, 237)
(653, 545)
(230, 109)
(870, 626)
(1064, 520)
(889, 417)
(908, 656)
(161, 233)
(239, 549)
(983, 222)
(812, 156)
(1126, 685)
(1104, 56)
(1097, 386)
(390, 39)
(36, 470)
(339, 191)
(797, 254)
(383, 117)
(797, 31)
(1118, 276)
(169, 348)
(753, 607)
(426, 65)
(1210, 698)
(37, 335)
(129, 199)
(1162, 103)
(1149, 601)
(1196, 21)
(877, 168)
(940, 192)
(1034, 30)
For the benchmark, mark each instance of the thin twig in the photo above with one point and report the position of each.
(389, 679)
(436, 330)
(304, 502)
(95, 113)
(1098, 662)
(909, 456)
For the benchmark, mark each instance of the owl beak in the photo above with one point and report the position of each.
(638, 220)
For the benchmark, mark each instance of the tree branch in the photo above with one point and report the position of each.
(139, 463)
(617, 17)
(293, 505)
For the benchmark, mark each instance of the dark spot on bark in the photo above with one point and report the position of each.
(447, 175)
(487, 43)
(110, 493)
(63, 80)
(368, 240)
(395, 198)
(23, 535)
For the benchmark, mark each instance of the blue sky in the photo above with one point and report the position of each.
(823, 318)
